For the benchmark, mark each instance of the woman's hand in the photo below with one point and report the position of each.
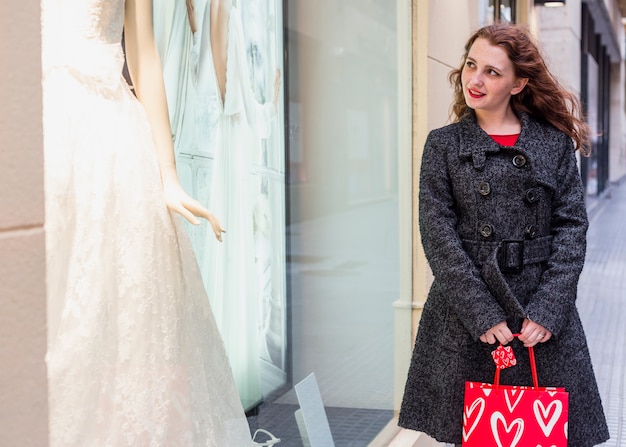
(533, 333)
(179, 201)
(500, 332)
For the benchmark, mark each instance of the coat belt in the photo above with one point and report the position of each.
(498, 258)
(512, 254)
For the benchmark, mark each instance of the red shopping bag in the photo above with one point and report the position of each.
(514, 416)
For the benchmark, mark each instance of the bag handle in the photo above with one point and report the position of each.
(533, 367)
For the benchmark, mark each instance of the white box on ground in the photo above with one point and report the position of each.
(316, 431)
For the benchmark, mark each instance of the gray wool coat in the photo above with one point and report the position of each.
(475, 194)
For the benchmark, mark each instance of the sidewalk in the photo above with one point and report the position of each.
(602, 305)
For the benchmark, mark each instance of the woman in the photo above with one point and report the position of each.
(134, 356)
(503, 224)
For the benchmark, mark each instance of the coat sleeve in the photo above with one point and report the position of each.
(458, 278)
(556, 294)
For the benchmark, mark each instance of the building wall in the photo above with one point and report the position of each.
(558, 34)
(617, 154)
(23, 389)
(447, 34)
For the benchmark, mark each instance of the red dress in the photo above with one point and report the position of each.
(505, 140)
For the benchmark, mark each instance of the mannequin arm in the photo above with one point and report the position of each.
(145, 70)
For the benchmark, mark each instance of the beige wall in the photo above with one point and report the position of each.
(23, 390)
(617, 143)
(558, 32)
(447, 34)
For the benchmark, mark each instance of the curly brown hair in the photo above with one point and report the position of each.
(543, 98)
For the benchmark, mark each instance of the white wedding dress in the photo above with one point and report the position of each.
(134, 355)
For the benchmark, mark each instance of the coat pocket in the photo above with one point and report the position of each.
(455, 336)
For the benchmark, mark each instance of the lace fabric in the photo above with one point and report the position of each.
(134, 355)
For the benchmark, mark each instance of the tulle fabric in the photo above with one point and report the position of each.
(134, 356)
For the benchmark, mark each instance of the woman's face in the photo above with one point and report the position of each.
(488, 78)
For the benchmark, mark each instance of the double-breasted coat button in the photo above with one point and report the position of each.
(531, 231)
(519, 160)
(531, 195)
(486, 230)
(484, 188)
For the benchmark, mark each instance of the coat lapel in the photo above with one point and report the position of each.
(474, 142)
(533, 143)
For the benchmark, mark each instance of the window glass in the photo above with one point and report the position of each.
(300, 163)
(342, 231)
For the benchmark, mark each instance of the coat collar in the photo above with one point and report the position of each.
(475, 143)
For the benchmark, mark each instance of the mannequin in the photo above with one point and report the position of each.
(133, 347)
(145, 69)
